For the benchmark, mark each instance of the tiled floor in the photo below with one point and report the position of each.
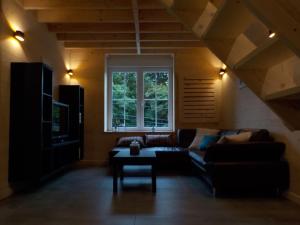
(84, 197)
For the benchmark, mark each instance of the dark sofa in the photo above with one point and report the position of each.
(256, 165)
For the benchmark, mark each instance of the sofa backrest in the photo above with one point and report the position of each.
(185, 137)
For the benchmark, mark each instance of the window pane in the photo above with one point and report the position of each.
(149, 113)
(118, 113)
(118, 85)
(149, 85)
(131, 86)
(162, 85)
(162, 113)
(130, 114)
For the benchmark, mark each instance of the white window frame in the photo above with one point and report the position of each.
(140, 99)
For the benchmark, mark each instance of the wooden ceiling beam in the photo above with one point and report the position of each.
(85, 16)
(116, 28)
(168, 37)
(126, 37)
(91, 27)
(163, 28)
(155, 15)
(132, 45)
(100, 15)
(135, 11)
(102, 45)
(109, 37)
(91, 4)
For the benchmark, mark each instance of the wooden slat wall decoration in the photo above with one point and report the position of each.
(199, 99)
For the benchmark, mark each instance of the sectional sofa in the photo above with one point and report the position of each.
(255, 165)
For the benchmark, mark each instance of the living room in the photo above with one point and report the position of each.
(48, 30)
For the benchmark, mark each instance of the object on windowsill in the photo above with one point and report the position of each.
(135, 148)
(153, 129)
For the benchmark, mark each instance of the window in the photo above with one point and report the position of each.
(140, 99)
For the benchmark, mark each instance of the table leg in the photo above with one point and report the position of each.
(153, 178)
(115, 178)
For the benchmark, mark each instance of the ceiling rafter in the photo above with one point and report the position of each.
(111, 37)
(132, 45)
(102, 16)
(114, 24)
(117, 28)
(135, 11)
(90, 4)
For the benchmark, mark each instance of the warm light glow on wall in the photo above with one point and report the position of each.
(70, 80)
(16, 45)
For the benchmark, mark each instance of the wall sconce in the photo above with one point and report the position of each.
(271, 34)
(70, 72)
(19, 35)
(222, 72)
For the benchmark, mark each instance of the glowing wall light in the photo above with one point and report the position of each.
(19, 35)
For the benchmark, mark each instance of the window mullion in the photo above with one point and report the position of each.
(124, 94)
(155, 92)
(141, 99)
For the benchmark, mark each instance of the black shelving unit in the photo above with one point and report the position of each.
(73, 95)
(33, 156)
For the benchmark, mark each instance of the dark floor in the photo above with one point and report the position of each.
(84, 196)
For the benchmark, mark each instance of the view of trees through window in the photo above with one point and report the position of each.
(156, 99)
(155, 93)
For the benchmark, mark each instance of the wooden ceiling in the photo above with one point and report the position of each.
(113, 24)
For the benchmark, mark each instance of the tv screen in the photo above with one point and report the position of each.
(60, 120)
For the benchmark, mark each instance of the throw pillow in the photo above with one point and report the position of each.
(156, 140)
(199, 134)
(126, 141)
(207, 140)
(238, 138)
(261, 135)
(222, 140)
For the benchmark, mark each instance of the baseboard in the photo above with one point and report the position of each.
(92, 163)
(5, 191)
(293, 197)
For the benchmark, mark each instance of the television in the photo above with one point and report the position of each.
(60, 120)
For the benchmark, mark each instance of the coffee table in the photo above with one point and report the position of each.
(124, 158)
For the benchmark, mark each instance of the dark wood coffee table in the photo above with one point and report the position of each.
(124, 158)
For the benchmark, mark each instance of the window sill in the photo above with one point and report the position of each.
(139, 131)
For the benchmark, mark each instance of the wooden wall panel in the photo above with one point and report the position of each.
(199, 99)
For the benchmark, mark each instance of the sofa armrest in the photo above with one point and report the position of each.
(249, 151)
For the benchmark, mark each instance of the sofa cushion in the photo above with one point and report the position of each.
(159, 140)
(197, 156)
(229, 132)
(207, 140)
(126, 141)
(199, 135)
(185, 137)
(261, 135)
(237, 138)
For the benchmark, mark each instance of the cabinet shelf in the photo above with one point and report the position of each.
(47, 95)
(31, 108)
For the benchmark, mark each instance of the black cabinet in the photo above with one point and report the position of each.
(32, 154)
(73, 95)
